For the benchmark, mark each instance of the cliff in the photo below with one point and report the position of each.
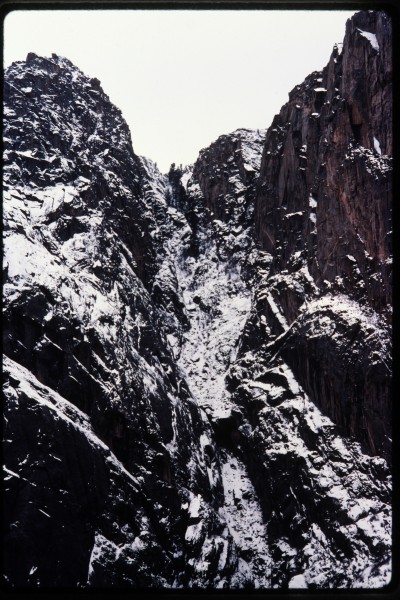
(323, 211)
(197, 375)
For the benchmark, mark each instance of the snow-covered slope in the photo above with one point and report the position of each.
(197, 371)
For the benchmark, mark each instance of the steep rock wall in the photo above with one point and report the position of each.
(323, 211)
(86, 307)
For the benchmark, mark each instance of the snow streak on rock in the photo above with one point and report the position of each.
(246, 523)
(217, 302)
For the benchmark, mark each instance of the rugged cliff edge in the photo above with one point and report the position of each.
(106, 450)
(323, 208)
(197, 365)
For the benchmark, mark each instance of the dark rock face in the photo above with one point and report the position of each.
(354, 388)
(324, 207)
(197, 366)
(84, 264)
(228, 192)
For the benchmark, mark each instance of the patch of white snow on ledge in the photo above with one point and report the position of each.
(377, 146)
(371, 37)
(298, 582)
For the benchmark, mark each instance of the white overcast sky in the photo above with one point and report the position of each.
(183, 77)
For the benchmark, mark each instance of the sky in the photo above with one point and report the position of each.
(184, 77)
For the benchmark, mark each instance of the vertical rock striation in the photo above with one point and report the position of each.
(323, 211)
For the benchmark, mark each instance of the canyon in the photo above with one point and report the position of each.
(197, 374)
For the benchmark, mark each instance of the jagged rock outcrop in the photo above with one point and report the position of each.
(86, 328)
(225, 172)
(323, 211)
(197, 370)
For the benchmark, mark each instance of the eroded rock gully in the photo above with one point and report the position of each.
(197, 372)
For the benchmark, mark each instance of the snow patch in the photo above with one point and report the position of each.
(298, 582)
(371, 37)
(377, 146)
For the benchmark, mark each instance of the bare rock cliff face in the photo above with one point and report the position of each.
(228, 191)
(323, 208)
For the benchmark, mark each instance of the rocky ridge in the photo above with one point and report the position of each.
(197, 379)
(323, 211)
(86, 312)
